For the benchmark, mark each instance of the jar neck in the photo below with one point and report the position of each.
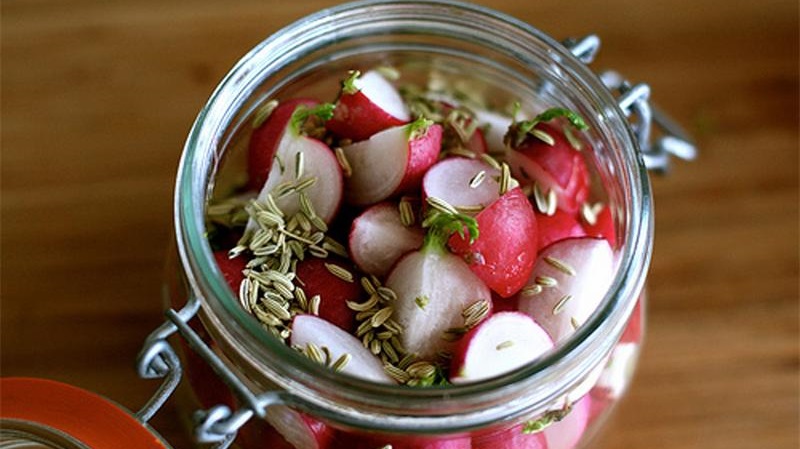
(508, 46)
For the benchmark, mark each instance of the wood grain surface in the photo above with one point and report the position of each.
(98, 96)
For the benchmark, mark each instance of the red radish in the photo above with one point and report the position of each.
(232, 269)
(301, 159)
(433, 288)
(353, 440)
(567, 433)
(311, 329)
(504, 253)
(477, 143)
(464, 183)
(633, 330)
(602, 227)
(559, 226)
(299, 429)
(500, 304)
(367, 104)
(315, 278)
(391, 161)
(542, 154)
(512, 438)
(503, 342)
(495, 125)
(265, 139)
(378, 238)
(568, 282)
(618, 371)
(258, 434)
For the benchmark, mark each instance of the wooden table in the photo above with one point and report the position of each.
(98, 96)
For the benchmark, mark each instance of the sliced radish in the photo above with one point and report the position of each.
(602, 226)
(495, 125)
(311, 329)
(633, 330)
(265, 139)
(464, 183)
(378, 238)
(618, 371)
(391, 161)
(557, 167)
(511, 438)
(232, 269)
(568, 282)
(559, 226)
(448, 287)
(358, 440)
(505, 251)
(501, 343)
(314, 277)
(567, 433)
(367, 104)
(299, 429)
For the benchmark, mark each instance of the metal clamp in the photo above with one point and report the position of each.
(634, 102)
(158, 359)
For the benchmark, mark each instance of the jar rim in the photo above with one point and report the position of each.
(192, 188)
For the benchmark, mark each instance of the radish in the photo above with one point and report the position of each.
(633, 330)
(314, 277)
(366, 105)
(559, 226)
(567, 433)
(301, 160)
(232, 269)
(391, 161)
(501, 343)
(299, 429)
(434, 287)
(353, 440)
(542, 154)
(267, 135)
(600, 224)
(511, 438)
(309, 329)
(618, 371)
(378, 238)
(463, 183)
(495, 125)
(504, 253)
(568, 282)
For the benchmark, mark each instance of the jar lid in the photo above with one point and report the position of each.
(46, 413)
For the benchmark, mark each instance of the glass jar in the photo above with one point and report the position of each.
(556, 401)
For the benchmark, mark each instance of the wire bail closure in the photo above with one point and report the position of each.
(158, 359)
(633, 100)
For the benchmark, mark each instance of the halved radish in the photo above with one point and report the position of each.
(311, 329)
(542, 154)
(391, 161)
(633, 330)
(568, 282)
(602, 226)
(378, 238)
(433, 288)
(367, 104)
(511, 438)
(503, 254)
(567, 433)
(501, 343)
(495, 126)
(618, 371)
(360, 440)
(559, 226)
(301, 159)
(314, 277)
(232, 269)
(462, 183)
(299, 429)
(265, 139)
